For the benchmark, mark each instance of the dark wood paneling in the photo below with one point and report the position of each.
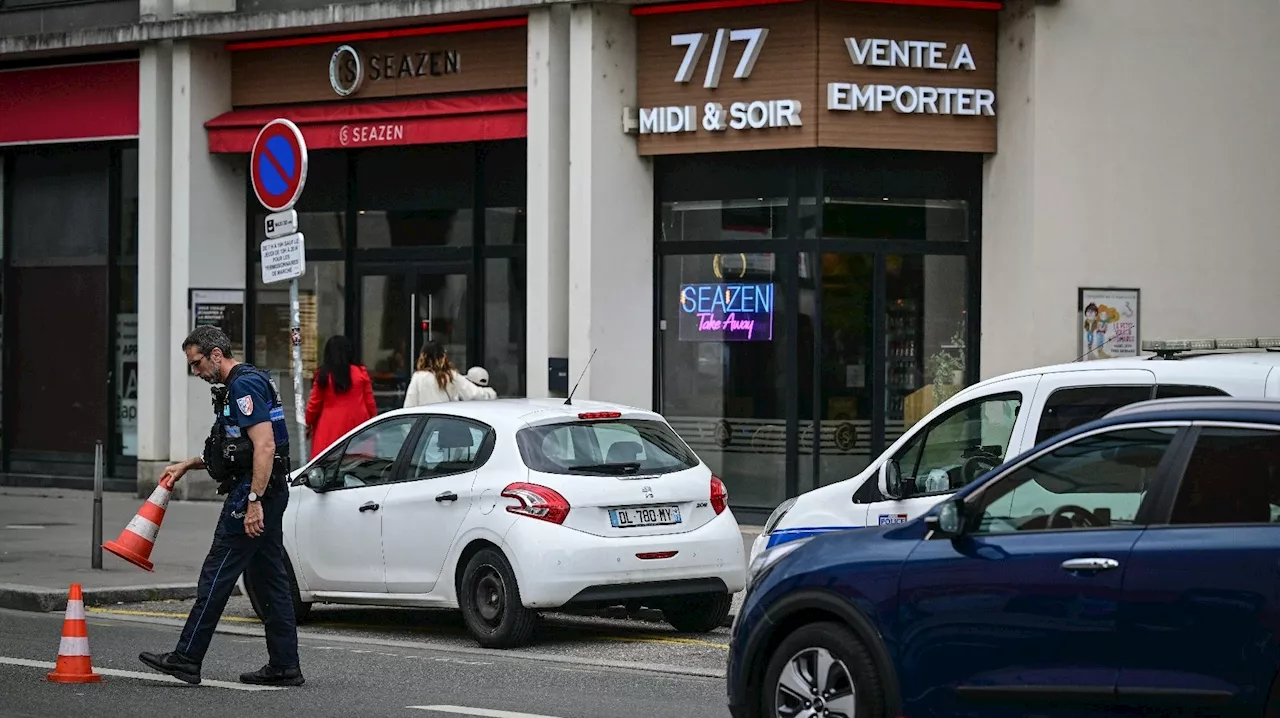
(785, 70)
(804, 51)
(889, 129)
(488, 60)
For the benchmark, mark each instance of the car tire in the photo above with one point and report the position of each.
(301, 610)
(853, 677)
(702, 613)
(490, 601)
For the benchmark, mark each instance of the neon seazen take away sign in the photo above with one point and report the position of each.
(726, 312)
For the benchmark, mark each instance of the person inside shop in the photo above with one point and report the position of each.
(437, 380)
(341, 396)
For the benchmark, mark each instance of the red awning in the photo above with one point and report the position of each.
(69, 103)
(471, 118)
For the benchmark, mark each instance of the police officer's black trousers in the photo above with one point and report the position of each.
(263, 558)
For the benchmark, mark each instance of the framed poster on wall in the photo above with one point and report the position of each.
(222, 308)
(1108, 322)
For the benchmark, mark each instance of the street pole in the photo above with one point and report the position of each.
(96, 554)
(295, 331)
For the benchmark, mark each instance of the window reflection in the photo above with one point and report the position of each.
(322, 306)
(724, 219)
(933, 220)
(723, 386)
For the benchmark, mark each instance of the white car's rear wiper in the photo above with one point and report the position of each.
(624, 468)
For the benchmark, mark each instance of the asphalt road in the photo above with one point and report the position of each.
(558, 636)
(346, 675)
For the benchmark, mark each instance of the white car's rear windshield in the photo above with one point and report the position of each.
(619, 447)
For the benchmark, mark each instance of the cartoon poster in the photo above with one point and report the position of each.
(1108, 323)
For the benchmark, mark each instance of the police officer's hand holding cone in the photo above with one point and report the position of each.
(247, 453)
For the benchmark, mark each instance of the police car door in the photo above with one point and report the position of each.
(955, 447)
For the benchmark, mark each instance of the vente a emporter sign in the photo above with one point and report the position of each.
(910, 99)
(715, 116)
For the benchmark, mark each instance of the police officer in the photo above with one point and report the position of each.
(247, 452)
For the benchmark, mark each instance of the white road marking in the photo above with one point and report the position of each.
(163, 678)
(481, 712)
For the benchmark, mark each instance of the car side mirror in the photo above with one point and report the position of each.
(948, 520)
(316, 478)
(891, 479)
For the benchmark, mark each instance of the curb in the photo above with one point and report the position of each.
(45, 600)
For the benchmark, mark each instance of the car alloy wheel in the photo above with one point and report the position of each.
(815, 684)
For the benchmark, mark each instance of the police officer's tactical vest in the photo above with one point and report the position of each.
(228, 451)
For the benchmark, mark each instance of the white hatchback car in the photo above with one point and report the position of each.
(503, 508)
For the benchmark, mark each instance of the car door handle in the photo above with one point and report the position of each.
(447, 496)
(1090, 564)
(370, 506)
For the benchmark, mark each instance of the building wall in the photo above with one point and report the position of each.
(1137, 148)
(610, 215)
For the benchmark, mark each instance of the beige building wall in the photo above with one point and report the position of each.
(1138, 147)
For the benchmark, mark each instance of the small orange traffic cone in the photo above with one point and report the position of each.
(74, 664)
(138, 538)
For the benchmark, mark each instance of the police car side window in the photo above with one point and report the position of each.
(959, 446)
(370, 456)
(1076, 406)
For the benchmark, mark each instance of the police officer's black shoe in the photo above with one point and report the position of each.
(270, 675)
(173, 663)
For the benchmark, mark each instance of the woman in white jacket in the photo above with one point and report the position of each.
(437, 380)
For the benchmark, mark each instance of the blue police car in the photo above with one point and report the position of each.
(1130, 565)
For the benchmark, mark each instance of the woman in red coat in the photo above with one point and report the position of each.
(341, 396)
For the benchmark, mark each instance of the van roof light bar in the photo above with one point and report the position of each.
(1166, 348)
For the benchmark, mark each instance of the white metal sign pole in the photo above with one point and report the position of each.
(295, 331)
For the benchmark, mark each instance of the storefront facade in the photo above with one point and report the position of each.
(68, 220)
(893, 199)
(818, 204)
(415, 201)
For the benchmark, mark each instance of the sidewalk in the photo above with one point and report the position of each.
(46, 540)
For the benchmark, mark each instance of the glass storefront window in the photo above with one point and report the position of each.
(415, 196)
(846, 411)
(925, 335)
(504, 326)
(504, 226)
(322, 309)
(893, 218)
(423, 228)
(724, 219)
(126, 309)
(723, 367)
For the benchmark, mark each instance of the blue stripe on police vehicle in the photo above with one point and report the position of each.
(781, 536)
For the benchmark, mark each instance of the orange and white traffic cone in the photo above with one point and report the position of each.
(138, 538)
(74, 664)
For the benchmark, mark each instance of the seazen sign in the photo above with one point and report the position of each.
(726, 312)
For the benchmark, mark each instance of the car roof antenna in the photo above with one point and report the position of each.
(569, 400)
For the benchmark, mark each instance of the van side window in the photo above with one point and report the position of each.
(959, 446)
(1174, 391)
(1068, 408)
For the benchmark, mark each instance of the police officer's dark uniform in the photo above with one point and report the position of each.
(249, 398)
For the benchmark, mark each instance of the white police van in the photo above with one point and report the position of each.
(974, 430)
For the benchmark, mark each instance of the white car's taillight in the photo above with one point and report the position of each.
(537, 502)
(719, 495)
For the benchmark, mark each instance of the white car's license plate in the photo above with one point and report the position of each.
(647, 516)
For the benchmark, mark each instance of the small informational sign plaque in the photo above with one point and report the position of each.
(283, 258)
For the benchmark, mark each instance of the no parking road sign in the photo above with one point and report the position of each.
(278, 165)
